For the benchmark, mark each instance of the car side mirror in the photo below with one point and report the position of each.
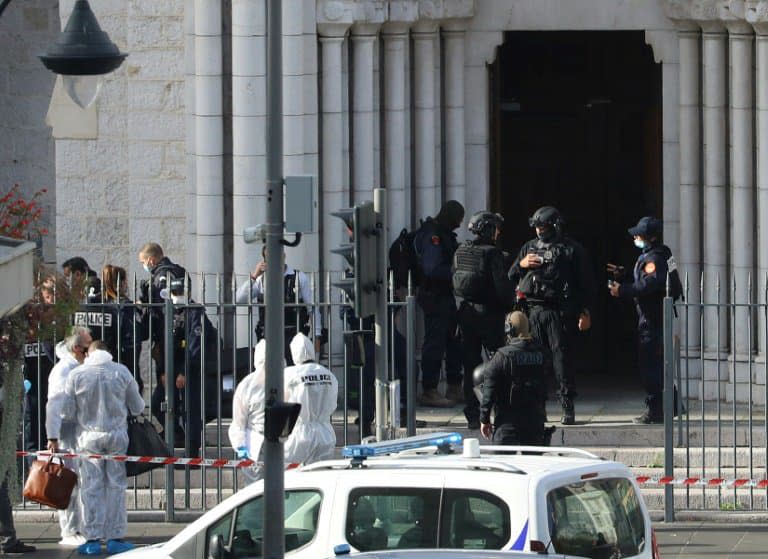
(216, 548)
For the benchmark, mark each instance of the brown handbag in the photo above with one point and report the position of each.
(50, 484)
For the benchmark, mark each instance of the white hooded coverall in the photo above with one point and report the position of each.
(64, 431)
(247, 427)
(100, 394)
(316, 389)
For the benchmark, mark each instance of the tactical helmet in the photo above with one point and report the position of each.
(484, 224)
(546, 215)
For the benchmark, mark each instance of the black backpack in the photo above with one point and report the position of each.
(403, 259)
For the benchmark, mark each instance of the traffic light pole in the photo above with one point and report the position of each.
(382, 339)
(274, 542)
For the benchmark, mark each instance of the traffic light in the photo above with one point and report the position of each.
(360, 254)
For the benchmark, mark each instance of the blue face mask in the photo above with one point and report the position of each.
(639, 243)
(146, 268)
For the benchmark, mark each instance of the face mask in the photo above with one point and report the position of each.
(546, 235)
(146, 268)
(639, 243)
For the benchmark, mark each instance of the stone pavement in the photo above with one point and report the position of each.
(687, 540)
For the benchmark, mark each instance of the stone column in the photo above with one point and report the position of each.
(333, 136)
(249, 166)
(741, 45)
(760, 24)
(690, 176)
(715, 226)
(363, 129)
(209, 136)
(425, 180)
(396, 157)
(190, 243)
(455, 151)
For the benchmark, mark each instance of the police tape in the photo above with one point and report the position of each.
(163, 460)
(703, 482)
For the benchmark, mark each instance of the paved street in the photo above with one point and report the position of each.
(689, 540)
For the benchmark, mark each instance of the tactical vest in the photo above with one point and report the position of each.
(527, 371)
(472, 279)
(290, 293)
(549, 282)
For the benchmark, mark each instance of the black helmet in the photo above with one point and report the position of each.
(546, 215)
(484, 224)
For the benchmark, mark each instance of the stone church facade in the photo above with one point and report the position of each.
(401, 94)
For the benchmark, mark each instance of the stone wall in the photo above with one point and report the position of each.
(26, 148)
(126, 186)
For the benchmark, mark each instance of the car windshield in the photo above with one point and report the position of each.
(599, 519)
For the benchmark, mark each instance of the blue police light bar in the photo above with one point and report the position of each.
(398, 445)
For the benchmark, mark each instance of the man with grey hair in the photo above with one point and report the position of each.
(71, 353)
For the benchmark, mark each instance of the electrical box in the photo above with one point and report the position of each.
(299, 203)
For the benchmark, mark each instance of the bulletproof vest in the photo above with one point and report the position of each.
(549, 282)
(101, 319)
(527, 369)
(472, 278)
(290, 290)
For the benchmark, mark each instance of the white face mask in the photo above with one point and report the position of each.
(639, 243)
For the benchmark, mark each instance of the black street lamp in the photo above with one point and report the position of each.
(82, 54)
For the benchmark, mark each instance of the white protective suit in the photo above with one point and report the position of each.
(100, 394)
(316, 389)
(69, 518)
(247, 427)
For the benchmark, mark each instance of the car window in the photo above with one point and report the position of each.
(302, 509)
(596, 519)
(473, 520)
(222, 526)
(392, 517)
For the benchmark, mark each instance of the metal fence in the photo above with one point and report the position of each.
(223, 363)
(714, 353)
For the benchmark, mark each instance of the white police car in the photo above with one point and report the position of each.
(415, 493)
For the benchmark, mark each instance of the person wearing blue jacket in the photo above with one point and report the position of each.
(648, 288)
(434, 244)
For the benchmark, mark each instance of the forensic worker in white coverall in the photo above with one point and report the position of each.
(246, 432)
(71, 353)
(316, 389)
(100, 395)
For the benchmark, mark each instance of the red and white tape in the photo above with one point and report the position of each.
(703, 482)
(164, 460)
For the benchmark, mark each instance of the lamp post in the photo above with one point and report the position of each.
(82, 54)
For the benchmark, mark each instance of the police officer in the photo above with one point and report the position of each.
(434, 244)
(514, 387)
(480, 279)
(552, 276)
(297, 290)
(648, 289)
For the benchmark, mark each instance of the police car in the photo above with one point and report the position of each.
(429, 492)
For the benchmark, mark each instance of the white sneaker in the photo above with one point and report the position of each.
(75, 540)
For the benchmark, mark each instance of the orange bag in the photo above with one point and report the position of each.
(50, 484)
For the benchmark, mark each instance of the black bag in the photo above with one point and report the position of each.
(403, 259)
(143, 440)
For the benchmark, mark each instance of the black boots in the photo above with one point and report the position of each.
(653, 413)
(569, 415)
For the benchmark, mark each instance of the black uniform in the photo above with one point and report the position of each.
(556, 293)
(38, 362)
(190, 324)
(154, 316)
(648, 290)
(120, 326)
(435, 245)
(294, 315)
(514, 387)
(480, 279)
